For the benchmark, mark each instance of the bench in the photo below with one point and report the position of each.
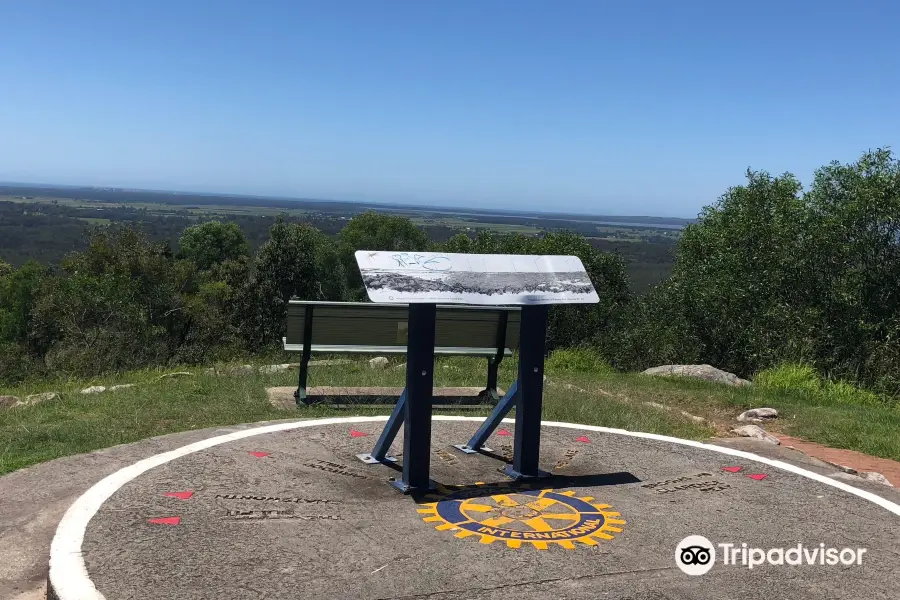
(491, 332)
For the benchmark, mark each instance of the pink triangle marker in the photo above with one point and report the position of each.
(733, 469)
(584, 439)
(503, 432)
(259, 454)
(165, 521)
(355, 433)
(757, 476)
(179, 495)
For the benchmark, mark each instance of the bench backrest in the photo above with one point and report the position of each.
(385, 325)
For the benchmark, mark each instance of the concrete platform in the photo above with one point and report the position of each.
(287, 511)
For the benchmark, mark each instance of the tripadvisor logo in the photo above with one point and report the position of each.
(696, 555)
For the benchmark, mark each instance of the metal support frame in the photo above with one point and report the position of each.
(390, 431)
(476, 444)
(526, 394)
(300, 393)
(527, 443)
(419, 397)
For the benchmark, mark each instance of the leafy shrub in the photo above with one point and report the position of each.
(804, 378)
(577, 360)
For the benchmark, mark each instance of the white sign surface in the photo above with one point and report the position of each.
(492, 279)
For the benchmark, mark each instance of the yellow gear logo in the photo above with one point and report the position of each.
(521, 516)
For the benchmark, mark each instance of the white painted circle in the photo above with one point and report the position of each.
(68, 573)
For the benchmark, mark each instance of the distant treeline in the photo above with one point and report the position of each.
(47, 231)
(769, 274)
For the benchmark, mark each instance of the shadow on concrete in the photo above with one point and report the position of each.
(506, 486)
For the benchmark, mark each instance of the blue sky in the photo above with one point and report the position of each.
(588, 106)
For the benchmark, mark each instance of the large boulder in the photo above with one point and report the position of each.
(707, 372)
(379, 362)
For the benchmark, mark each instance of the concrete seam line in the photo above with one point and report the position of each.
(68, 574)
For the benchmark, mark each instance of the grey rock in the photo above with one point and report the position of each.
(94, 389)
(756, 432)
(876, 477)
(854, 477)
(694, 418)
(8, 401)
(36, 399)
(379, 362)
(705, 372)
(272, 369)
(656, 405)
(121, 386)
(240, 370)
(175, 375)
(400, 366)
(330, 362)
(758, 415)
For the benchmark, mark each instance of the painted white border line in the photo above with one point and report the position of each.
(68, 574)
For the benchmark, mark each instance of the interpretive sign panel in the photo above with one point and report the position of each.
(487, 279)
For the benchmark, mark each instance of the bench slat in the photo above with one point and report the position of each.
(358, 326)
(438, 350)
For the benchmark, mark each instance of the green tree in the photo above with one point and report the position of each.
(18, 288)
(114, 306)
(375, 231)
(296, 262)
(772, 274)
(212, 243)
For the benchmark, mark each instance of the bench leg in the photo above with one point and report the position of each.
(491, 390)
(300, 393)
(476, 444)
(379, 454)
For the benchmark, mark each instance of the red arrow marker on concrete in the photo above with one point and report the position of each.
(179, 495)
(732, 469)
(503, 432)
(259, 454)
(355, 433)
(165, 521)
(757, 476)
(583, 439)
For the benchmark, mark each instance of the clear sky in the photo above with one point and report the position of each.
(632, 107)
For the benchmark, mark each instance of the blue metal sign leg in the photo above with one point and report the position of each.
(379, 454)
(419, 396)
(503, 407)
(526, 447)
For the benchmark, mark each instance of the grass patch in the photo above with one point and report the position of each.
(580, 388)
(577, 360)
